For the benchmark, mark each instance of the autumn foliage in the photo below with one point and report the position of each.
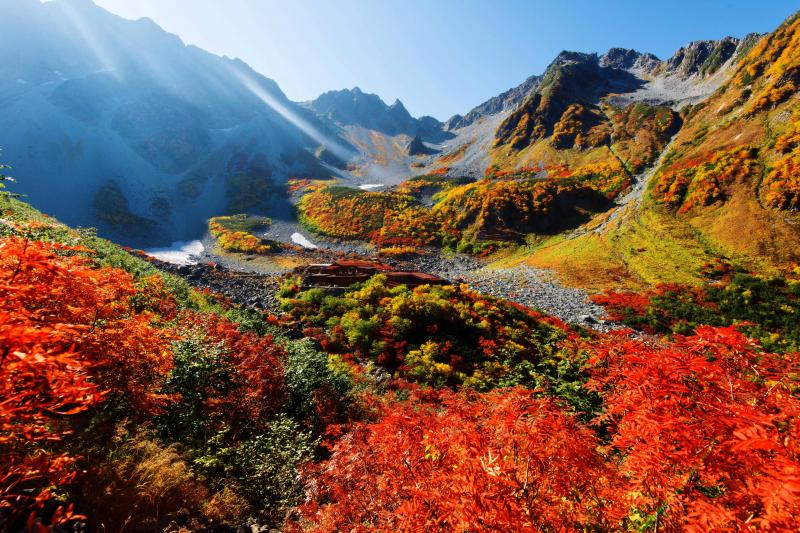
(443, 461)
(764, 307)
(70, 339)
(440, 335)
(706, 430)
(234, 234)
(781, 185)
(702, 435)
(700, 181)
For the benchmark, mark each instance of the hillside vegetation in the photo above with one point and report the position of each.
(130, 401)
(133, 400)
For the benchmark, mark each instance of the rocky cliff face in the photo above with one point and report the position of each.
(571, 79)
(571, 94)
(354, 107)
(620, 77)
(497, 104)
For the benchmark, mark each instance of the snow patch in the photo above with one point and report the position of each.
(299, 238)
(178, 253)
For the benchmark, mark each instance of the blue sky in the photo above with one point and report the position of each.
(439, 57)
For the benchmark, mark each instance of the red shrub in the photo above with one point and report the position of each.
(501, 461)
(68, 336)
(707, 429)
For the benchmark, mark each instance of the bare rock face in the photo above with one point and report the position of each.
(417, 147)
(355, 107)
(627, 59)
(572, 78)
(621, 77)
(454, 122)
(497, 104)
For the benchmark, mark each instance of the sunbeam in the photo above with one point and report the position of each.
(337, 149)
(83, 29)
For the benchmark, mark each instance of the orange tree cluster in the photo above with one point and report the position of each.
(641, 132)
(234, 234)
(698, 434)
(701, 181)
(773, 67)
(349, 213)
(766, 308)
(70, 339)
(781, 185)
(473, 216)
(146, 404)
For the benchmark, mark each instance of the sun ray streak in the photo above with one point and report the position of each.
(300, 123)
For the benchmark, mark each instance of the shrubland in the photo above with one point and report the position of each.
(131, 400)
(234, 233)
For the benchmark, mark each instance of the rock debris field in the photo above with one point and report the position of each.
(525, 285)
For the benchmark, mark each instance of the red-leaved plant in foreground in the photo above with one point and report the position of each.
(68, 339)
(705, 428)
(697, 434)
(499, 461)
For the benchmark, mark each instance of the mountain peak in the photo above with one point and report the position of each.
(627, 58)
(567, 56)
(355, 107)
(702, 57)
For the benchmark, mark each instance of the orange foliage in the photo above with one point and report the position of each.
(258, 363)
(707, 429)
(69, 338)
(349, 213)
(501, 461)
(773, 65)
(702, 181)
(700, 434)
(238, 241)
(781, 185)
(578, 128)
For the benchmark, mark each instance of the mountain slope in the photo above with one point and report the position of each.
(726, 188)
(505, 130)
(92, 103)
(117, 124)
(353, 107)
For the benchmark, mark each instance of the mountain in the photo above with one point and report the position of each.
(497, 104)
(726, 186)
(353, 107)
(577, 94)
(615, 170)
(620, 77)
(327, 390)
(118, 124)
